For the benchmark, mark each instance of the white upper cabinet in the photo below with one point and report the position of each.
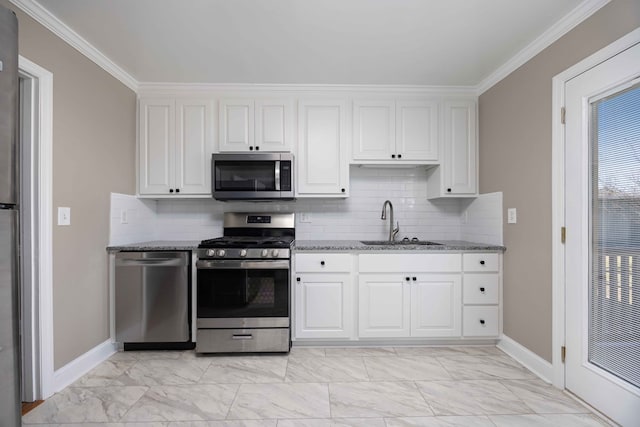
(255, 125)
(175, 147)
(388, 132)
(323, 167)
(457, 175)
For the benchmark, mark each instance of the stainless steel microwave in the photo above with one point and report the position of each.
(252, 176)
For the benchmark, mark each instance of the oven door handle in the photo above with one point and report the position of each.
(245, 264)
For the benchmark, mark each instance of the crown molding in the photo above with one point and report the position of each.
(60, 29)
(583, 11)
(168, 88)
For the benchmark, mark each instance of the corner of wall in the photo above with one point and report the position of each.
(482, 219)
(131, 219)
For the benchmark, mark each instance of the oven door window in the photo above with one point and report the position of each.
(245, 176)
(237, 293)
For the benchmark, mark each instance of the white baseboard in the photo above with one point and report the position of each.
(75, 369)
(526, 357)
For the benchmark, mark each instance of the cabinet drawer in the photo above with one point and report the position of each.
(480, 289)
(480, 321)
(322, 262)
(418, 263)
(481, 262)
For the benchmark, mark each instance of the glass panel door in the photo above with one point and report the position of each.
(614, 321)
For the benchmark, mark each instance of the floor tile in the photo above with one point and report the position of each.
(405, 368)
(164, 372)
(183, 403)
(543, 398)
(299, 352)
(548, 420)
(451, 421)
(225, 423)
(261, 401)
(449, 351)
(334, 422)
(484, 368)
(86, 405)
(326, 369)
(360, 351)
(247, 369)
(377, 399)
(105, 374)
(478, 397)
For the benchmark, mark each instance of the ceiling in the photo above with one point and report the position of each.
(408, 42)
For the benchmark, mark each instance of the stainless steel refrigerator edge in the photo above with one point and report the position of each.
(9, 287)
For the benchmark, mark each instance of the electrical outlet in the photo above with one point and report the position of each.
(64, 216)
(305, 217)
(512, 216)
(124, 217)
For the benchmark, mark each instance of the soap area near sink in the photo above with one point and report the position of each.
(356, 218)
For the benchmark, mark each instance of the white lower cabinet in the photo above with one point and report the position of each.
(481, 321)
(383, 306)
(435, 305)
(323, 292)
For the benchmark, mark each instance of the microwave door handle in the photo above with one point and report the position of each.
(277, 177)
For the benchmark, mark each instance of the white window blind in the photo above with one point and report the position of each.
(614, 323)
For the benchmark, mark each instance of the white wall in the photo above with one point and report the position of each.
(354, 218)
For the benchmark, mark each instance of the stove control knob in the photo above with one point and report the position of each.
(243, 252)
(264, 253)
(221, 252)
(275, 253)
(211, 252)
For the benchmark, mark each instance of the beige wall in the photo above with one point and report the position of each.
(93, 155)
(515, 158)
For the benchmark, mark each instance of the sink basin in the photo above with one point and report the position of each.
(397, 243)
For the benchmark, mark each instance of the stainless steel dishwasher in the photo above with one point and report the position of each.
(152, 300)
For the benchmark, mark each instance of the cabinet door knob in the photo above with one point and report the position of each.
(482, 290)
(414, 279)
(407, 278)
(257, 148)
(177, 190)
(321, 262)
(343, 190)
(482, 321)
(393, 156)
(448, 190)
(297, 279)
(171, 190)
(399, 156)
(482, 262)
(251, 148)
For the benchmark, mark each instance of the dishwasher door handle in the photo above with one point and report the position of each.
(155, 262)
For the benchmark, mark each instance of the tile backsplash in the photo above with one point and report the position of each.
(354, 218)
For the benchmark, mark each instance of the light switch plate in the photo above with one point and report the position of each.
(512, 216)
(305, 217)
(64, 216)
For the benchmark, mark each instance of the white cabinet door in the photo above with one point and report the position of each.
(273, 125)
(323, 168)
(436, 305)
(156, 146)
(236, 125)
(459, 164)
(384, 307)
(374, 130)
(194, 145)
(323, 306)
(417, 130)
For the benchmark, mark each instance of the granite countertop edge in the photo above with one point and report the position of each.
(322, 245)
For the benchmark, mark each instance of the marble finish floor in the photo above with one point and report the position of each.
(470, 386)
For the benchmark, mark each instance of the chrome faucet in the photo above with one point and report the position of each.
(392, 231)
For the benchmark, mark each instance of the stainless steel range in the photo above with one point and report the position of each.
(243, 295)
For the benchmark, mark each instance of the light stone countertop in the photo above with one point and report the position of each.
(358, 246)
(323, 245)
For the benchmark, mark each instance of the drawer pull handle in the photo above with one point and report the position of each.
(321, 262)
(482, 290)
(414, 279)
(407, 278)
(482, 322)
(242, 337)
(297, 279)
(482, 262)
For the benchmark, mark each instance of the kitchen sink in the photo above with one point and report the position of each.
(398, 243)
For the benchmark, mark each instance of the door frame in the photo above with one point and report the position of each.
(558, 193)
(38, 252)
